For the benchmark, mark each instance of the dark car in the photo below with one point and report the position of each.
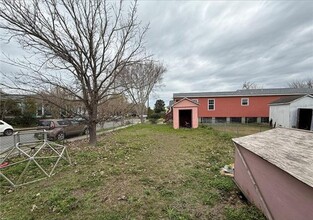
(58, 129)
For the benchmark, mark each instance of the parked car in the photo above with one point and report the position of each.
(5, 128)
(58, 129)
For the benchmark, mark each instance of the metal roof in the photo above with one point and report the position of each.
(248, 92)
(288, 99)
(5, 96)
(291, 150)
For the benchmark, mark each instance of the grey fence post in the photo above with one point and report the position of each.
(45, 138)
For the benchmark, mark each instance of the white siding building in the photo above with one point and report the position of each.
(293, 112)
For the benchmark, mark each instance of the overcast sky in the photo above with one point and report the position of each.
(216, 46)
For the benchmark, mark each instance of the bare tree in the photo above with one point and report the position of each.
(139, 81)
(59, 102)
(308, 83)
(79, 46)
(116, 106)
(250, 85)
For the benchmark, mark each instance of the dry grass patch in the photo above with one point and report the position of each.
(142, 172)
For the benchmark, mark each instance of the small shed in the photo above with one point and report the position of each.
(274, 170)
(185, 114)
(293, 112)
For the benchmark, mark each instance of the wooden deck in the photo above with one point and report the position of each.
(289, 149)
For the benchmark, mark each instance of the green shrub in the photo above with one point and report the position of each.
(25, 120)
(155, 116)
(153, 120)
(28, 120)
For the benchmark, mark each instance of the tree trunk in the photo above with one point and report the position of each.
(142, 120)
(93, 133)
(93, 127)
(141, 111)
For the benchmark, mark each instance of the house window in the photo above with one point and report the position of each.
(264, 120)
(211, 104)
(195, 100)
(39, 110)
(250, 120)
(206, 120)
(235, 119)
(244, 101)
(220, 120)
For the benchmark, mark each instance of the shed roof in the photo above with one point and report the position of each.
(291, 150)
(288, 99)
(248, 92)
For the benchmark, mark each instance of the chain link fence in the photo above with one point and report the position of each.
(238, 129)
(31, 135)
(21, 137)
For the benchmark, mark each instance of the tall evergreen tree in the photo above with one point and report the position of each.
(159, 106)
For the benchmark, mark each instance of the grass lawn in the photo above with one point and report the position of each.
(142, 172)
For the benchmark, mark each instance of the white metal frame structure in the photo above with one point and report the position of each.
(28, 153)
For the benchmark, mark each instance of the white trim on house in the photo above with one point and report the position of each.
(246, 102)
(211, 104)
(195, 100)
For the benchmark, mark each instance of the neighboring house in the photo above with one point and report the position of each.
(169, 112)
(11, 105)
(293, 112)
(245, 106)
(43, 108)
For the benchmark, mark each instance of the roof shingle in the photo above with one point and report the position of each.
(288, 149)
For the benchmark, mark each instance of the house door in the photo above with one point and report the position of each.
(304, 118)
(185, 118)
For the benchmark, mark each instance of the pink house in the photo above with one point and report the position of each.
(185, 114)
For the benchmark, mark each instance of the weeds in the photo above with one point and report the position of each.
(141, 172)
